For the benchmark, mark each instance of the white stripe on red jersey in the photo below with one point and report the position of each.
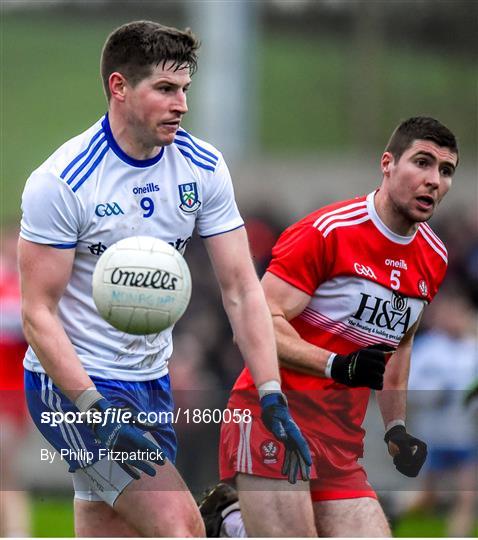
(433, 244)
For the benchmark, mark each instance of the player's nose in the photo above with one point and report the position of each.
(433, 177)
(180, 104)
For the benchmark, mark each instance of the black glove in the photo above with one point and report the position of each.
(364, 367)
(126, 437)
(412, 452)
(277, 419)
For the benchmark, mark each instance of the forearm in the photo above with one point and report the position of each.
(392, 400)
(46, 335)
(296, 353)
(253, 332)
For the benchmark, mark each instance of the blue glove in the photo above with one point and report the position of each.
(126, 437)
(277, 419)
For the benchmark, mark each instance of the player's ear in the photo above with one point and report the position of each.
(117, 84)
(386, 163)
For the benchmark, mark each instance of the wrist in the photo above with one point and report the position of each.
(393, 423)
(87, 399)
(269, 387)
(328, 366)
(393, 432)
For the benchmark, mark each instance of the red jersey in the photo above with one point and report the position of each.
(12, 342)
(368, 285)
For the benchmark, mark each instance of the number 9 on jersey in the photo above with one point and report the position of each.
(141, 285)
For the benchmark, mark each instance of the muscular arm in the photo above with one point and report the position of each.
(244, 303)
(392, 399)
(45, 272)
(285, 303)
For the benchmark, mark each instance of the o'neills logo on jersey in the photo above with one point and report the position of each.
(393, 314)
(148, 188)
(159, 279)
(396, 264)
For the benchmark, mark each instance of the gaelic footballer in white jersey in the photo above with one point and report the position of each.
(79, 198)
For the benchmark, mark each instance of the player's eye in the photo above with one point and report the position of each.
(421, 162)
(447, 171)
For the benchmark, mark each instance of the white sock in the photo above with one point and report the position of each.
(232, 526)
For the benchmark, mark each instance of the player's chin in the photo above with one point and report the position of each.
(165, 140)
(420, 215)
(166, 135)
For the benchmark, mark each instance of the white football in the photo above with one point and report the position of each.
(141, 285)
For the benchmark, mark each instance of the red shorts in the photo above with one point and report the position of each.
(248, 447)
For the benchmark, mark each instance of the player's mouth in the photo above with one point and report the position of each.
(425, 202)
(173, 125)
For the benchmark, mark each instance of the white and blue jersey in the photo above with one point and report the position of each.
(88, 195)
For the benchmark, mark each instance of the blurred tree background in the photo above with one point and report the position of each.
(329, 77)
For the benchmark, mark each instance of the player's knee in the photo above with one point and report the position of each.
(190, 526)
(193, 526)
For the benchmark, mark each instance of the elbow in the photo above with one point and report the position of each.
(28, 324)
(34, 320)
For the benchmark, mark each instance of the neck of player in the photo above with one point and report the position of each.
(129, 139)
(392, 216)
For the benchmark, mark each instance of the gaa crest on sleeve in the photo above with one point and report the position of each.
(189, 197)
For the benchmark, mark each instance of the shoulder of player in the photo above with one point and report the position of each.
(76, 158)
(430, 244)
(199, 154)
(335, 215)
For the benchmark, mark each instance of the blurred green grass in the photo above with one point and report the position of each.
(309, 91)
(53, 517)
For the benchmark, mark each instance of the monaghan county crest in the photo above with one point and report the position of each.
(188, 195)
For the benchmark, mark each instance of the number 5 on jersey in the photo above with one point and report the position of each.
(395, 279)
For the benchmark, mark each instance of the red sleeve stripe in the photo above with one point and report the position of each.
(334, 327)
(433, 244)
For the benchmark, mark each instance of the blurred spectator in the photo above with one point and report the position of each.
(196, 395)
(14, 506)
(444, 361)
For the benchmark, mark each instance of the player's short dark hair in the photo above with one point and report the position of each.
(420, 128)
(135, 48)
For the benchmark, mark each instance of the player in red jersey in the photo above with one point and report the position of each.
(346, 287)
(14, 421)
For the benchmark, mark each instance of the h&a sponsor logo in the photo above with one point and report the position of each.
(393, 314)
(365, 271)
(396, 264)
(150, 187)
(108, 209)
